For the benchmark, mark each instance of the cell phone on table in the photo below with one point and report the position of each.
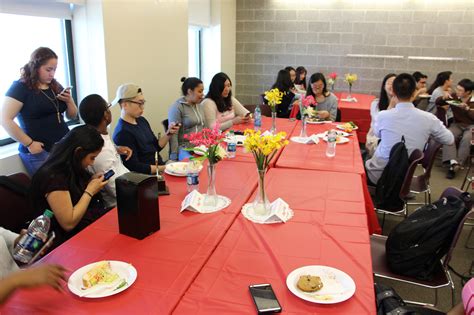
(264, 298)
(108, 174)
(48, 243)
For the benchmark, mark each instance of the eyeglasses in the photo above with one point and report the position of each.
(141, 104)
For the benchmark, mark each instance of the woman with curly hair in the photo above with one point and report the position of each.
(39, 102)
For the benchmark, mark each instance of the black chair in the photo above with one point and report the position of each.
(441, 277)
(338, 115)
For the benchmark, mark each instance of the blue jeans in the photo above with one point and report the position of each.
(32, 162)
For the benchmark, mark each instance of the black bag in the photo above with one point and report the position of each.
(416, 244)
(387, 193)
(388, 302)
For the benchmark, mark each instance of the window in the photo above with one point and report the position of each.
(194, 51)
(24, 34)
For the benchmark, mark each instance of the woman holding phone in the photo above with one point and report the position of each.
(39, 102)
(221, 107)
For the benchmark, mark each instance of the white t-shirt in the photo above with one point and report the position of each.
(7, 264)
(109, 159)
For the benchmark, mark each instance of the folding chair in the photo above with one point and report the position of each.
(441, 277)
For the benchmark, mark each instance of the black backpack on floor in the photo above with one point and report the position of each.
(416, 244)
(387, 193)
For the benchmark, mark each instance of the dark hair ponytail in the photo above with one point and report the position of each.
(189, 84)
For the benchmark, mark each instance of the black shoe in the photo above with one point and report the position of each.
(451, 173)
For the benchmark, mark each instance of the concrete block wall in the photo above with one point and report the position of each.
(316, 34)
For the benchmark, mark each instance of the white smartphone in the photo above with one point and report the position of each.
(45, 246)
(66, 88)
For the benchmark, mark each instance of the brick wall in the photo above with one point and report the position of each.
(318, 35)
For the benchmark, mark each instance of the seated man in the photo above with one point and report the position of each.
(463, 122)
(134, 131)
(95, 112)
(403, 120)
(421, 88)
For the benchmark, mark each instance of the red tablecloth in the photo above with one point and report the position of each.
(167, 261)
(329, 228)
(358, 112)
(282, 124)
(313, 157)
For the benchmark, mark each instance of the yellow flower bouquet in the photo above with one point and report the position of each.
(273, 97)
(350, 78)
(263, 149)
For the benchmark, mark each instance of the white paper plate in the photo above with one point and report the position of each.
(424, 96)
(338, 133)
(313, 122)
(303, 140)
(125, 271)
(239, 138)
(454, 103)
(178, 169)
(340, 140)
(338, 286)
(341, 127)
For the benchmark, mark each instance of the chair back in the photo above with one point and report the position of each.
(430, 152)
(453, 191)
(338, 115)
(264, 108)
(250, 108)
(415, 157)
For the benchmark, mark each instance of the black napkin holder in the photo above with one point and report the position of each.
(137, 204)
(162, 188)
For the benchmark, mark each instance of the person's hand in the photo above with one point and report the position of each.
(123, 150)
(447, 95)
(323, 114)
(237, 120)
(36, 147)
(246, 118)
(96, 184)
(464, 106)
(173, 128)
(51, 275)
(22, 232)
(393, 102)
(445, 107)
(65, 96)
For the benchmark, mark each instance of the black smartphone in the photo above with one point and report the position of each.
(264, 298)
(108, 174)
(238, 132)
(65, 89)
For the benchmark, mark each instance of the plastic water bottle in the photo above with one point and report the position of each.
(231, 145)
(257, 118)
(331, 148)
(30, 243)
(192, 176)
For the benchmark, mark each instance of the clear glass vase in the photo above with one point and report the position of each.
(303, 133)
(261, 205)
(349, 97)
(210, 199)
(274, 124)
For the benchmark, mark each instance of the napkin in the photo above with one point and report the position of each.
(280, 212)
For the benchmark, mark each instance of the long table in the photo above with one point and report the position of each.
(358, 112)
(329, 227)
(167, 262)
(313, 157)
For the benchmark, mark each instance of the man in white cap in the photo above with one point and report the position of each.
(134, 131)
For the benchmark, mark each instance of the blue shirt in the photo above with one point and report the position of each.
(38, 116)
(408, 121)
(141, 139)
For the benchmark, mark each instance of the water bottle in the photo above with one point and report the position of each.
(31, 242)
(331, 148)
(257, 118)
(192, 176)
(231, 145)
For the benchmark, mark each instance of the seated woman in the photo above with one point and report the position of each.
(300, 81)
(187, 114)
(63, 184)
(327, 102)
(284, 84)
(463, 122)
(221, 107)
(440, 87)
(386, 100)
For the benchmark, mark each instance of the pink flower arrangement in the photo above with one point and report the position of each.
(209, 138)
(309, 101)
(333, 75)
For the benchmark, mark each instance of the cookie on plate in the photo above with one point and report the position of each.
(308, 283)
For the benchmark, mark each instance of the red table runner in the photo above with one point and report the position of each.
(358, 112)
(329, 228)
(167, 261)
(313, 157)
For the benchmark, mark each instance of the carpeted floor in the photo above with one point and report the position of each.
(463, 257)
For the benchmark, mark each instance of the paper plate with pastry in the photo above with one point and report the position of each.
(347, 127)
(454, 102)
(178, 169)
(101, 279)
(239, 139)
(316, 121)
(339, 139)
(321, 284)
